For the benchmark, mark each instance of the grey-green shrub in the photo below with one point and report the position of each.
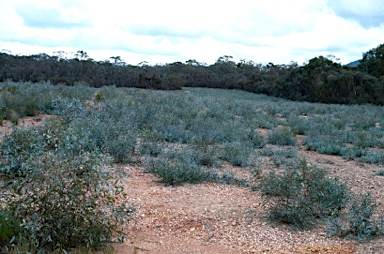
(67, 184)
(175, 172)
(373, 156)
(18, 149)
(323, 144)
(236, 153)
(352, 153)
(9, 227)
(66, 202)
(358, 220)
(122, 148)
(281, 136)
(301, 195)
(231, 179)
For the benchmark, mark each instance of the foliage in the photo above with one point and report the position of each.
(237, 153)
(59, 185)
(374, 157)
(373, 61)
(351, 153)
(9, 227)
(231, 179)
(323, 144)
(18, 149)
(280, 156)
(358, 220)
(322, 79)
(175, 172)
(66, 202)
(26, 99)
(281, 136)
(183, 136)
(301, 195)
(380, 172)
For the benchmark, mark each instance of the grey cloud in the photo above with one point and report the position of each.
(367, 13)
(45, 18)
(165, 31)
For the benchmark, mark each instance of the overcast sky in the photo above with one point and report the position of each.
(166, 31)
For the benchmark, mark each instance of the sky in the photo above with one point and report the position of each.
(167, 31)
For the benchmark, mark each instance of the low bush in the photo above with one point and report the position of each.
(31, 108)
(281, 136)
(66, 202)
(357, 220)
(380, 172)
(176, 172)
(352, 153)
(122, 148)
(298, 125)
(63, 192)
(9, 227)
(1, 117)
(236, 153)
(373, 157)
(152, 149)
(284, 157)
(204, 155)
(255, 139)
(301, 195)
(323, 144)
(18, 149)
(14, 117)
(231, 179)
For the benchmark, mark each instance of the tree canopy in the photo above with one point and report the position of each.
(322, 79)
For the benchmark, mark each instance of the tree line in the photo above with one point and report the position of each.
(322, 79)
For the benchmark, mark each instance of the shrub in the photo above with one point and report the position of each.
(175, 172)
(352, 153)
(255, 139)
(122, 148)
(202, 154)
(2, 116)
(14, 117)
(31, 109)
(298, 126)
(301, 195)
(364, 139)
(357, 221)
(323, 144)
(150, 148)
(18, 149)
(373, 157)
(9, 226)
(231, 179)
(66, 202)
(60, 189)
(68, 109)
(236, 153)
(284, 157)
(281, 136)
(380, 172)
(99, 97)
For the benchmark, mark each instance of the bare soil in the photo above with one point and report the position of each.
(218, 218)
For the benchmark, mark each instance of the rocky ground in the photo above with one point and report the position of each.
(218, 218)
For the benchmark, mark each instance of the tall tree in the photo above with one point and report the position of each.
(373, 61)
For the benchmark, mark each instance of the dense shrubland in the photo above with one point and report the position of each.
(180, 136)
(322, 79)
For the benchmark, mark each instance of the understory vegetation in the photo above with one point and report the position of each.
(58, 180)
